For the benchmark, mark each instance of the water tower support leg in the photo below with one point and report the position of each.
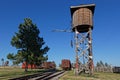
(76, 50)
(91, 65)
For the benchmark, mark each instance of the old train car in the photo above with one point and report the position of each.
(48, 65)
(45, 65)
(66, 64)
(116, 69)
(30, 66)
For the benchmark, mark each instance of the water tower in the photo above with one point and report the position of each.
(82, 26)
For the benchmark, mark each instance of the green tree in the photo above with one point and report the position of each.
(101, 64)
(6, 63)
(106, 65)
(15, 58)
(98, 64)
(2, 61)
(30, 46)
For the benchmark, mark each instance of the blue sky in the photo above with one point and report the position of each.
(55, 14)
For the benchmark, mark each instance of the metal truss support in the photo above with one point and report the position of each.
(83, 49)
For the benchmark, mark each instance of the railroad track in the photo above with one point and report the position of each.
(41, 76)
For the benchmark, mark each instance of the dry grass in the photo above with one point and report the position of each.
(97, 76)
(12, 72)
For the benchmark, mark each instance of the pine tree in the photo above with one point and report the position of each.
(29, 45)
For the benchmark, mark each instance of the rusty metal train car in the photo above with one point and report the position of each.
(48, 65)
(44, 65)
(66, 64)
(116, 69)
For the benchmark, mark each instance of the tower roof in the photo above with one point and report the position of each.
(89, 6)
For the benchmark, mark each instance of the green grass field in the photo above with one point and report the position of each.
(97, 76)
(13, 72)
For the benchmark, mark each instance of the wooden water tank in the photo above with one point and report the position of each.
(82, 17)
